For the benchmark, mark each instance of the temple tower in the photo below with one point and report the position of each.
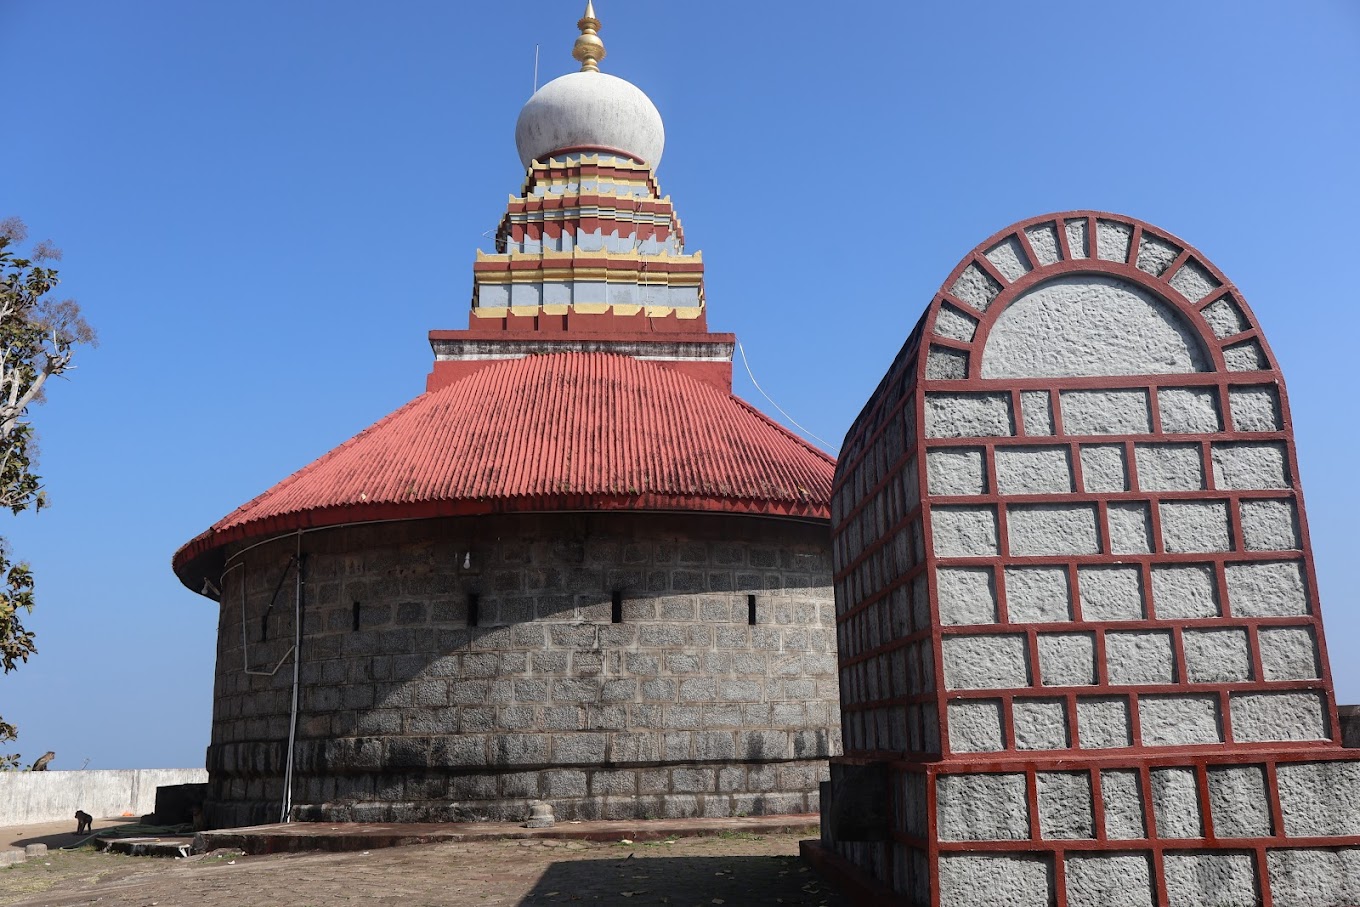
(577, 569)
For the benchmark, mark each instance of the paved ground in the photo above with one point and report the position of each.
(736, 869)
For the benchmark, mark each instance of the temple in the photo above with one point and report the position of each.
(577, 571)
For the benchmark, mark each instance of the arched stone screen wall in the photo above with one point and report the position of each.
(1074, 591)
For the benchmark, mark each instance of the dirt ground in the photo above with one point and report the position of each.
(736, 869)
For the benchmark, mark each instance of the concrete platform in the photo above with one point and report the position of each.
(296, 837)
(148, 847)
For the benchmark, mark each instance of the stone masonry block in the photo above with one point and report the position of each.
(952, 323)
(966, 595)
(1109, 880)
(969, 416)
(1040, 724)
(1250, 466)
(955, 471)
(1314, 878)
(1067, 659)
(1217, 656)
(1103, 722)
(1138, 657)
(1320, 799)
(964, 531)
(1189, 410)
(1113, 412)
(1274, 589)
(1169, 467)
(976, 287)
(1175, 803)
(1179, 720)
(1103, 468)
(982, 807)
(1184, 592)
(1288, 653)
(1037, 595)
(994, 880)
(1065, 806)
(1238, 801)
(1111, 593)
(1255, 408)
(1051, 529)
(1189, 526)
(985, 662)
(975, 726)
(1270, 526)
(1121, 795)
(1037, 413)
(1210, 880)
(1259, 717)
(1033, 470)
(1130, 527)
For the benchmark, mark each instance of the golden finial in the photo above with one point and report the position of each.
(589, 49)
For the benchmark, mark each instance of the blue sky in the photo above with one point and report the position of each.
(265, 206)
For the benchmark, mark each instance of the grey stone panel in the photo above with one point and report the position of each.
(956, 471)
(1274, 589)
(1270, 526)
(1103, 722)
(1121, 795)
(1109, 880)
(1224, 317)
(995, 880)
(1255, 408)
(1314, 878)
(1211, 880)
(1037, 411)
(966, 595)
(1040, 724)
(1009, 258)
(1115, 412)
(982, 807)
(1179, 720)
(1067, 659)
(1052, 529)
(1078, 240)
(1043, 239)
(985, 662)
(1189, 410)
(1113, 240)
(1169, 467)
(1319, 799)
(1184, 592)
(954, 324)
(1260, 717)
(1288, 653)
(1130, 527)
(1250, 466)
(1111, 593)
(1033, 470)
(969, 415)
(964, 531)
(946, 364)
(1038, 595)
(1245, 357)
(1195, 526)
(975, 726)
(1217, 656)
(1066, 809)
(976, 288)
(1103, 468)
(1238, 801)
(1193, 281)
(1175, 803)
(1156, 254)
(1140, 657)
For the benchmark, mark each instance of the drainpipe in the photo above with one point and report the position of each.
(299, 566)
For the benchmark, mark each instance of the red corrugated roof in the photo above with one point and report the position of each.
(569, 431)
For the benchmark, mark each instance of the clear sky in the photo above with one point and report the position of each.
(265, 206)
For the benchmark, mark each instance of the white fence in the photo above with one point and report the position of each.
(28, 797)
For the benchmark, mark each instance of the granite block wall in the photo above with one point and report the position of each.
(616, 666)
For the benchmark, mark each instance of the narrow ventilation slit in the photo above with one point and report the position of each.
(264, 626)
(356, 617)
(616, 609)
(751, 610)
(473, 610)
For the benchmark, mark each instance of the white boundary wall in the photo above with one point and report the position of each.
(28, 797)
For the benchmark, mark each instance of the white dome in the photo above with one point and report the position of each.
(590, 110)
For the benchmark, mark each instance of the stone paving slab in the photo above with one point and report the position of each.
(296, 837)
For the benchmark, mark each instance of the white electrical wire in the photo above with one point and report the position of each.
(792, 421)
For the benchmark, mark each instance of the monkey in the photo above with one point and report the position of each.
(83, 820)
(41, 764)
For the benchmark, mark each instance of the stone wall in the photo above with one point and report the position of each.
(409, 712)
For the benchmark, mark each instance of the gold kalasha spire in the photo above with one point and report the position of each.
(589, 49)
